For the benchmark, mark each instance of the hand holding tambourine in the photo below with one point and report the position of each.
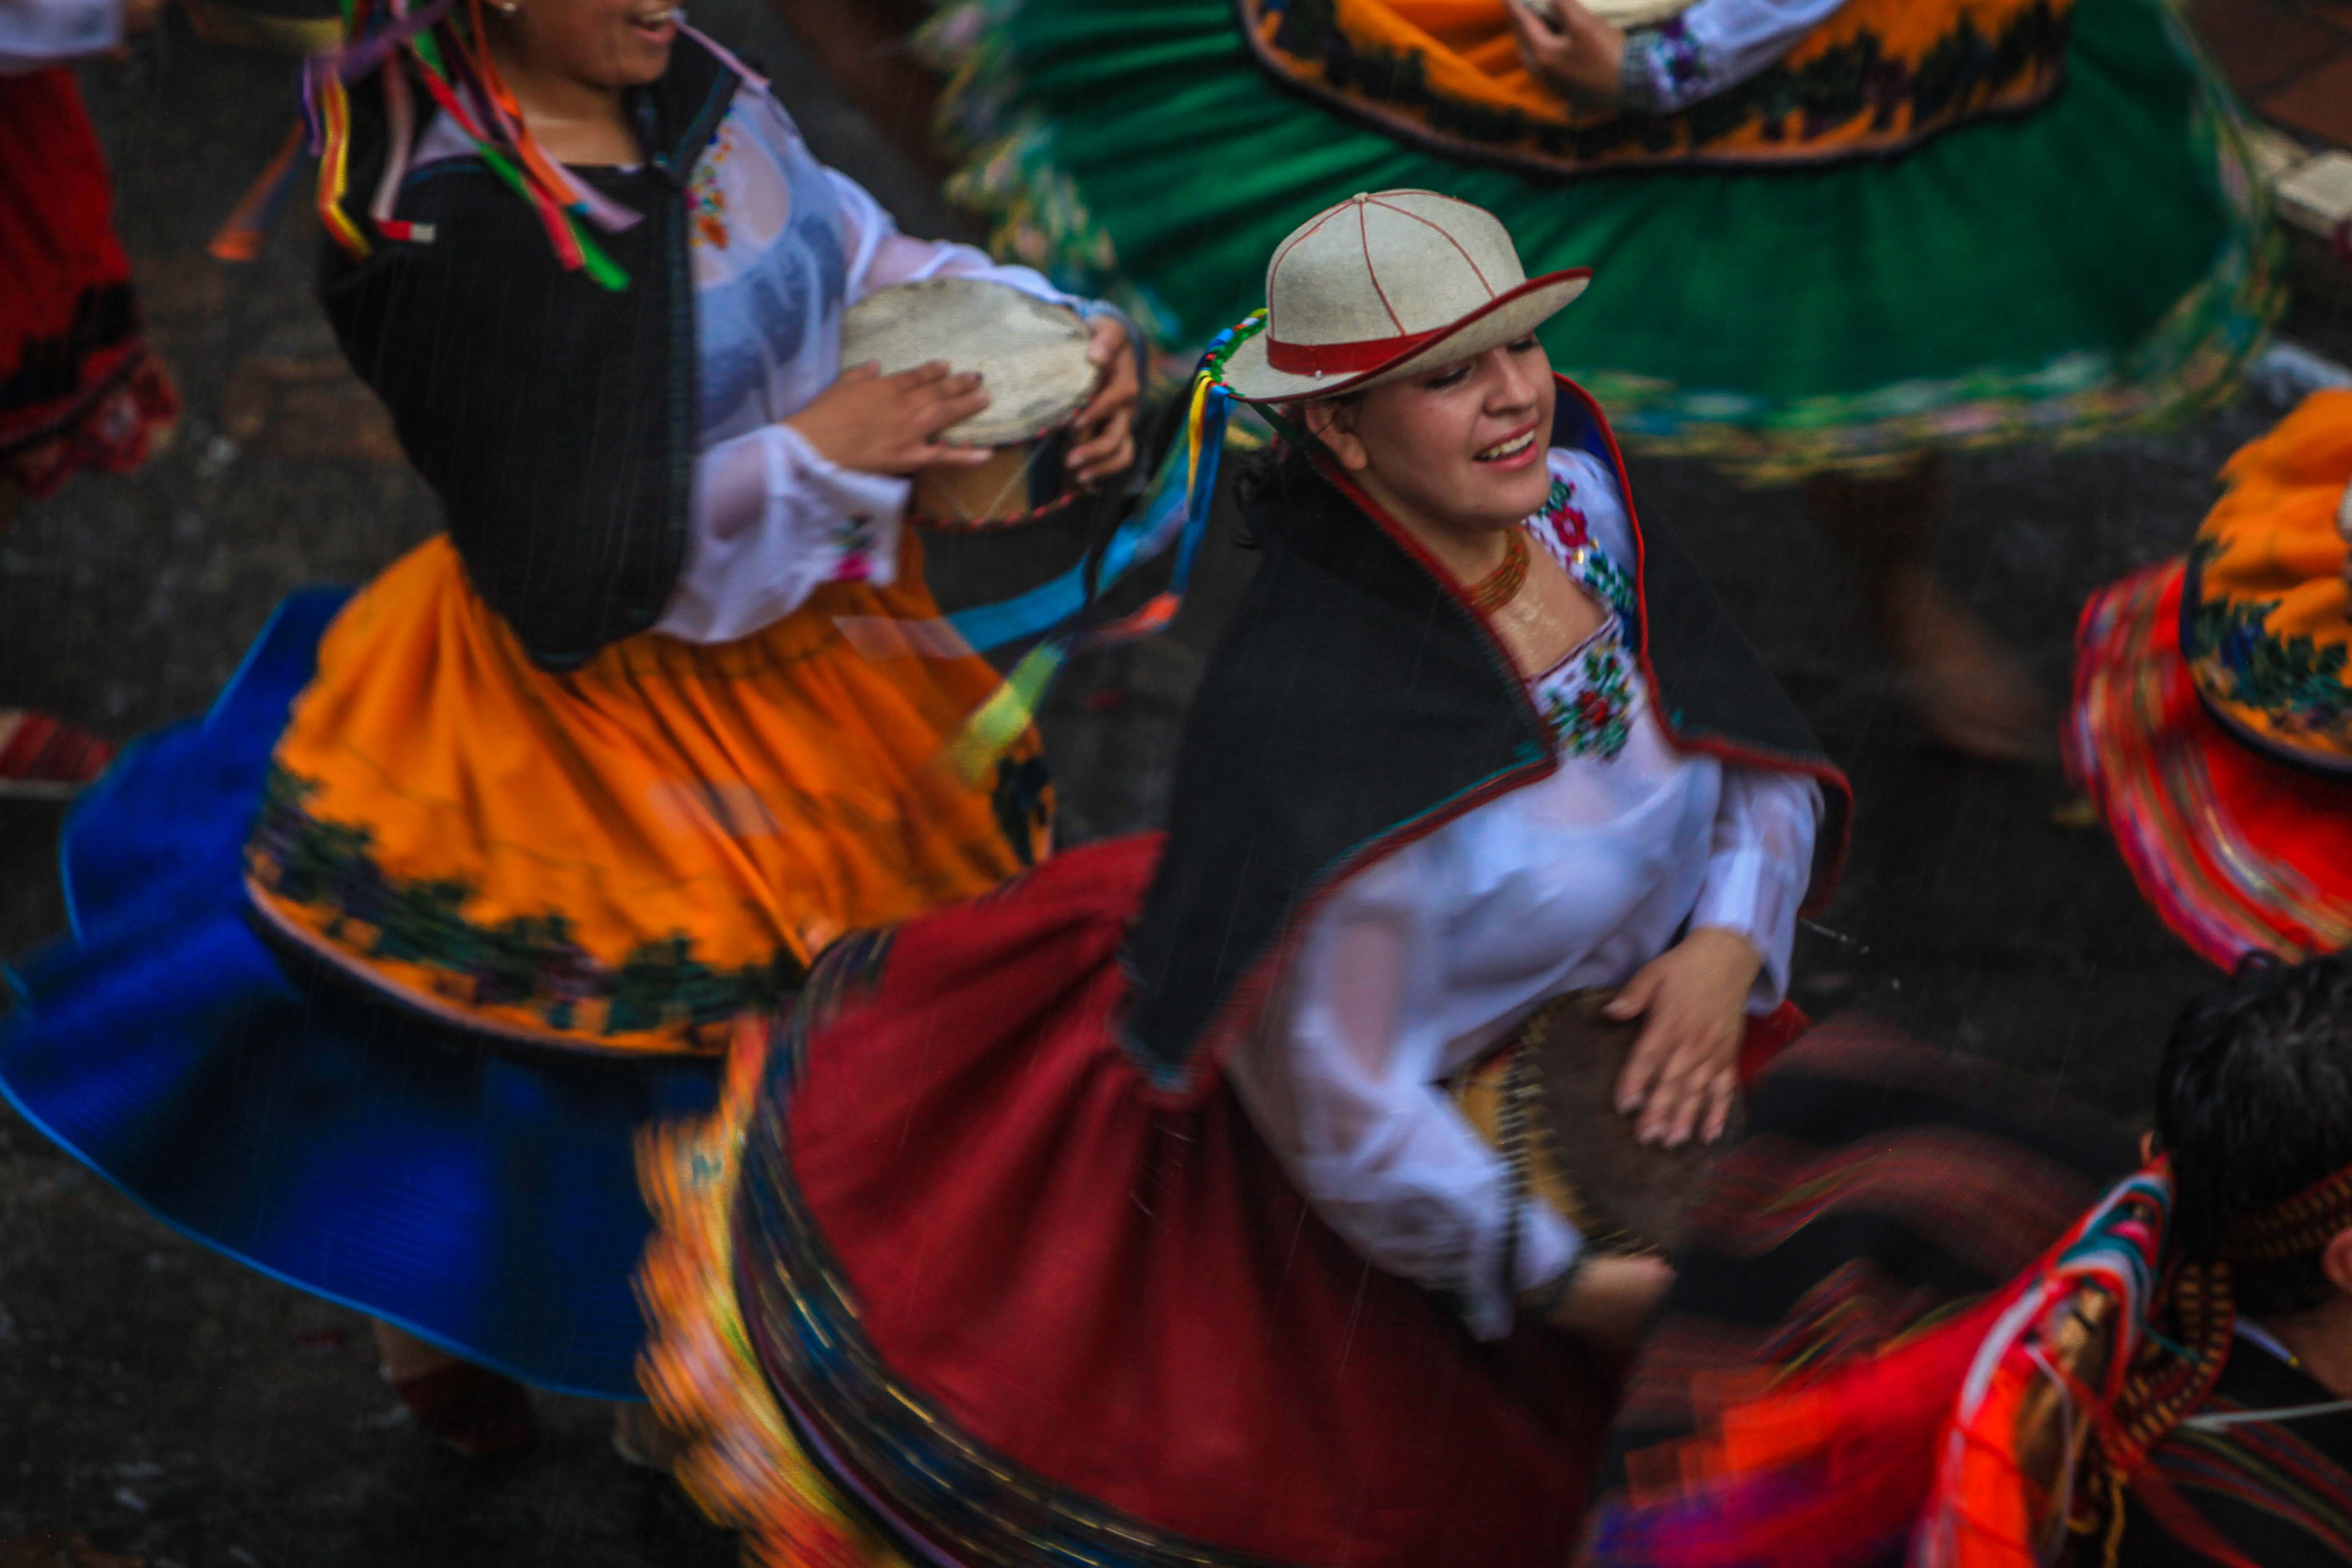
(954, 381)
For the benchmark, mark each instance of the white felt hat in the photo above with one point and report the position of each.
(1385, 286)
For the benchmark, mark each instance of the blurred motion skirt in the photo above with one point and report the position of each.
(507, 921)
(635, 855)
(946, 1282)
(2096, 256)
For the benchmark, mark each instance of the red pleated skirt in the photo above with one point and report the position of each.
(944, 1279)
(79, 386)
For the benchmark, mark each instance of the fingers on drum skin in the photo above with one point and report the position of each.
(1700, 1088)
(1721, 1093)
(1679, 1093)
(949, 411)
(1651, 1064)
(1106, 450)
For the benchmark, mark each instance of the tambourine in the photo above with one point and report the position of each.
(1031, 357)
(1620, 13)
(1547, 1101)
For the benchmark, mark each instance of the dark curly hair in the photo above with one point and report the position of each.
(2254, 1104)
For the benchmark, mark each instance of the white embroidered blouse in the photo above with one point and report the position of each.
(780, 246)
(1418, 966)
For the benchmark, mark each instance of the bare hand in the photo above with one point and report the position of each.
(1611, 1299)
(1573, 49)
(881, 424)
(1103, 434)
(1684, 1071)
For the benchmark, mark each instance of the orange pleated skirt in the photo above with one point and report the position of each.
(634, 856)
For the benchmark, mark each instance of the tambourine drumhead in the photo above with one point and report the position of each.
(1581, 1155)
(1622, 13)
(1031, 355)
(1641, 1191)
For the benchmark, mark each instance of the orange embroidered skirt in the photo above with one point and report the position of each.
(633, 856)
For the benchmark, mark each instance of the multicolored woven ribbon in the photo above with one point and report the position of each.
(1176, 511)
(449, 63)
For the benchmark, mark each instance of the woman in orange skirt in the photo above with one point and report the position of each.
(530, 822)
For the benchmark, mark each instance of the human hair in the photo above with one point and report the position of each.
(1286, 468)
(2254, 1104)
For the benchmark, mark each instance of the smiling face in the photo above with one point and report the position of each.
(1460, 448)
(607, 43)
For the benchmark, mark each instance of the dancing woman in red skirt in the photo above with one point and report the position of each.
(80, 389)
(1125, 1215)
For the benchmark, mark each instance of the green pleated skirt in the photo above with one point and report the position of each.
(2105, 262)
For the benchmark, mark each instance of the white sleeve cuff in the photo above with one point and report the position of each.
(773, 520)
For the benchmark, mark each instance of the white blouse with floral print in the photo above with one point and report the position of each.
(1420, 963)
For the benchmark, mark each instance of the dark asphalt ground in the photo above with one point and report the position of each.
(183, 1410)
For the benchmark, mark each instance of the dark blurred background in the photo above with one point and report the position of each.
(182, 1411)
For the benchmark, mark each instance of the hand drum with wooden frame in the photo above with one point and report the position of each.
(1621, 13)
(1554, 1087)
(1032, 359)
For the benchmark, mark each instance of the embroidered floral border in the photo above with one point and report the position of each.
(532, 964)
(1858, 98)
(1010, 172)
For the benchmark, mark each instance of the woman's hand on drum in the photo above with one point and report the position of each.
(1103, 434)
(1684, 1068)
(881, 424)
(1573, 49)
(1611, 1299)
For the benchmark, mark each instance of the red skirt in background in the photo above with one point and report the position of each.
(79, 386)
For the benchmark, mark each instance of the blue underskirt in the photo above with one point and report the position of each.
(482, 1196)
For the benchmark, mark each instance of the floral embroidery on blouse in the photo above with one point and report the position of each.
(856, 537)
(706, 203)
(1592, 566)
(1589, 698)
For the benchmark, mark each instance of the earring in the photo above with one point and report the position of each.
(505, 8)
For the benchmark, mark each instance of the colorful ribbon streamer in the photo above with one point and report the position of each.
(1176, 510)
(457, 75)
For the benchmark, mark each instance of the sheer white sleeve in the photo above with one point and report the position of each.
(773, 520)
(880, 256)
(38, 33)
(1759, 868)
(1714, 44)
(1341, 1081)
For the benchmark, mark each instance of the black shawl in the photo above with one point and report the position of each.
(1356, 702)
(554, 418)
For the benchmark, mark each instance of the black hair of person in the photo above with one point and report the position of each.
(1283, 469)
(2254, 1104)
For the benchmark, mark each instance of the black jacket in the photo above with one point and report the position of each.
(554, 419)
(1356, 702)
